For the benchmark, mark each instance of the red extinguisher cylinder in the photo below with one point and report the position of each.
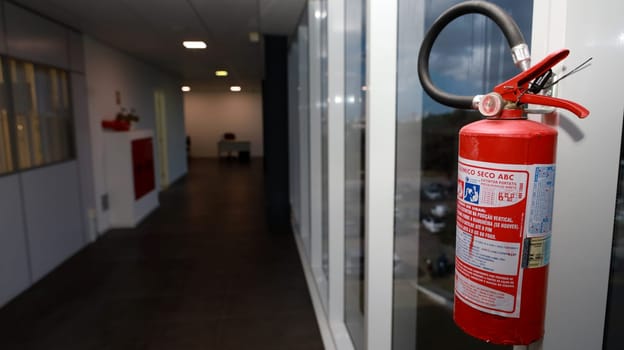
(505, 189)
(504, 208)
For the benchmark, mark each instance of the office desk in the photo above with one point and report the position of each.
(233, 146)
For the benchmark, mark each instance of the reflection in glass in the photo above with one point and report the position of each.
(615, 303)
(470, 57)
(6, 156)
(355, 130)
(43, 124)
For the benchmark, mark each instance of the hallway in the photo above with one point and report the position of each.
(201, 272)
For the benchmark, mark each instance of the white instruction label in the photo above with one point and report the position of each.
(504, 220)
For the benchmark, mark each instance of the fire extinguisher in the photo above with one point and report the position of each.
(505, 189)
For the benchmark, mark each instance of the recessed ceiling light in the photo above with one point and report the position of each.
(235, 88)
(186, 88)
(221, 73)
(194, 44)
(254, 37)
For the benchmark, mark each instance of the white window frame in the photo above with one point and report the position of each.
(381, 54)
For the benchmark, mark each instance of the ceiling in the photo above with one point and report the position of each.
(153, 31)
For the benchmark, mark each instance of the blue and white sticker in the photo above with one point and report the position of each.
(540, 208)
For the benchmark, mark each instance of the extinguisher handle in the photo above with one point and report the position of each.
(515, 39)
(573, 107)
(518, 89)
(524, 78)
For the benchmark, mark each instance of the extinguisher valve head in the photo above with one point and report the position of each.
(491, 105)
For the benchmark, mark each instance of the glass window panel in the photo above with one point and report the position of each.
(355, 131)
(43, 123)
(53, 106)
(293, 123)
(6, 155)
(470, 57)
(304, 115)
(614, 338)
(324, 140)
(26, 116)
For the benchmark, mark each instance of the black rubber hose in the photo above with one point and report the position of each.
(499, 16)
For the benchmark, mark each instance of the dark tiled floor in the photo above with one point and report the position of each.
(202, 272)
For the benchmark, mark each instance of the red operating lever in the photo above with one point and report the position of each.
(516, 89)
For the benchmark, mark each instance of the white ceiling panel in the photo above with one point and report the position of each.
(153, 30)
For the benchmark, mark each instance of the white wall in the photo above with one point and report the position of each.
(109, 70)
(210, 114)
(41, 221)
(14, 254)
(587, 167)
(55, 232)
